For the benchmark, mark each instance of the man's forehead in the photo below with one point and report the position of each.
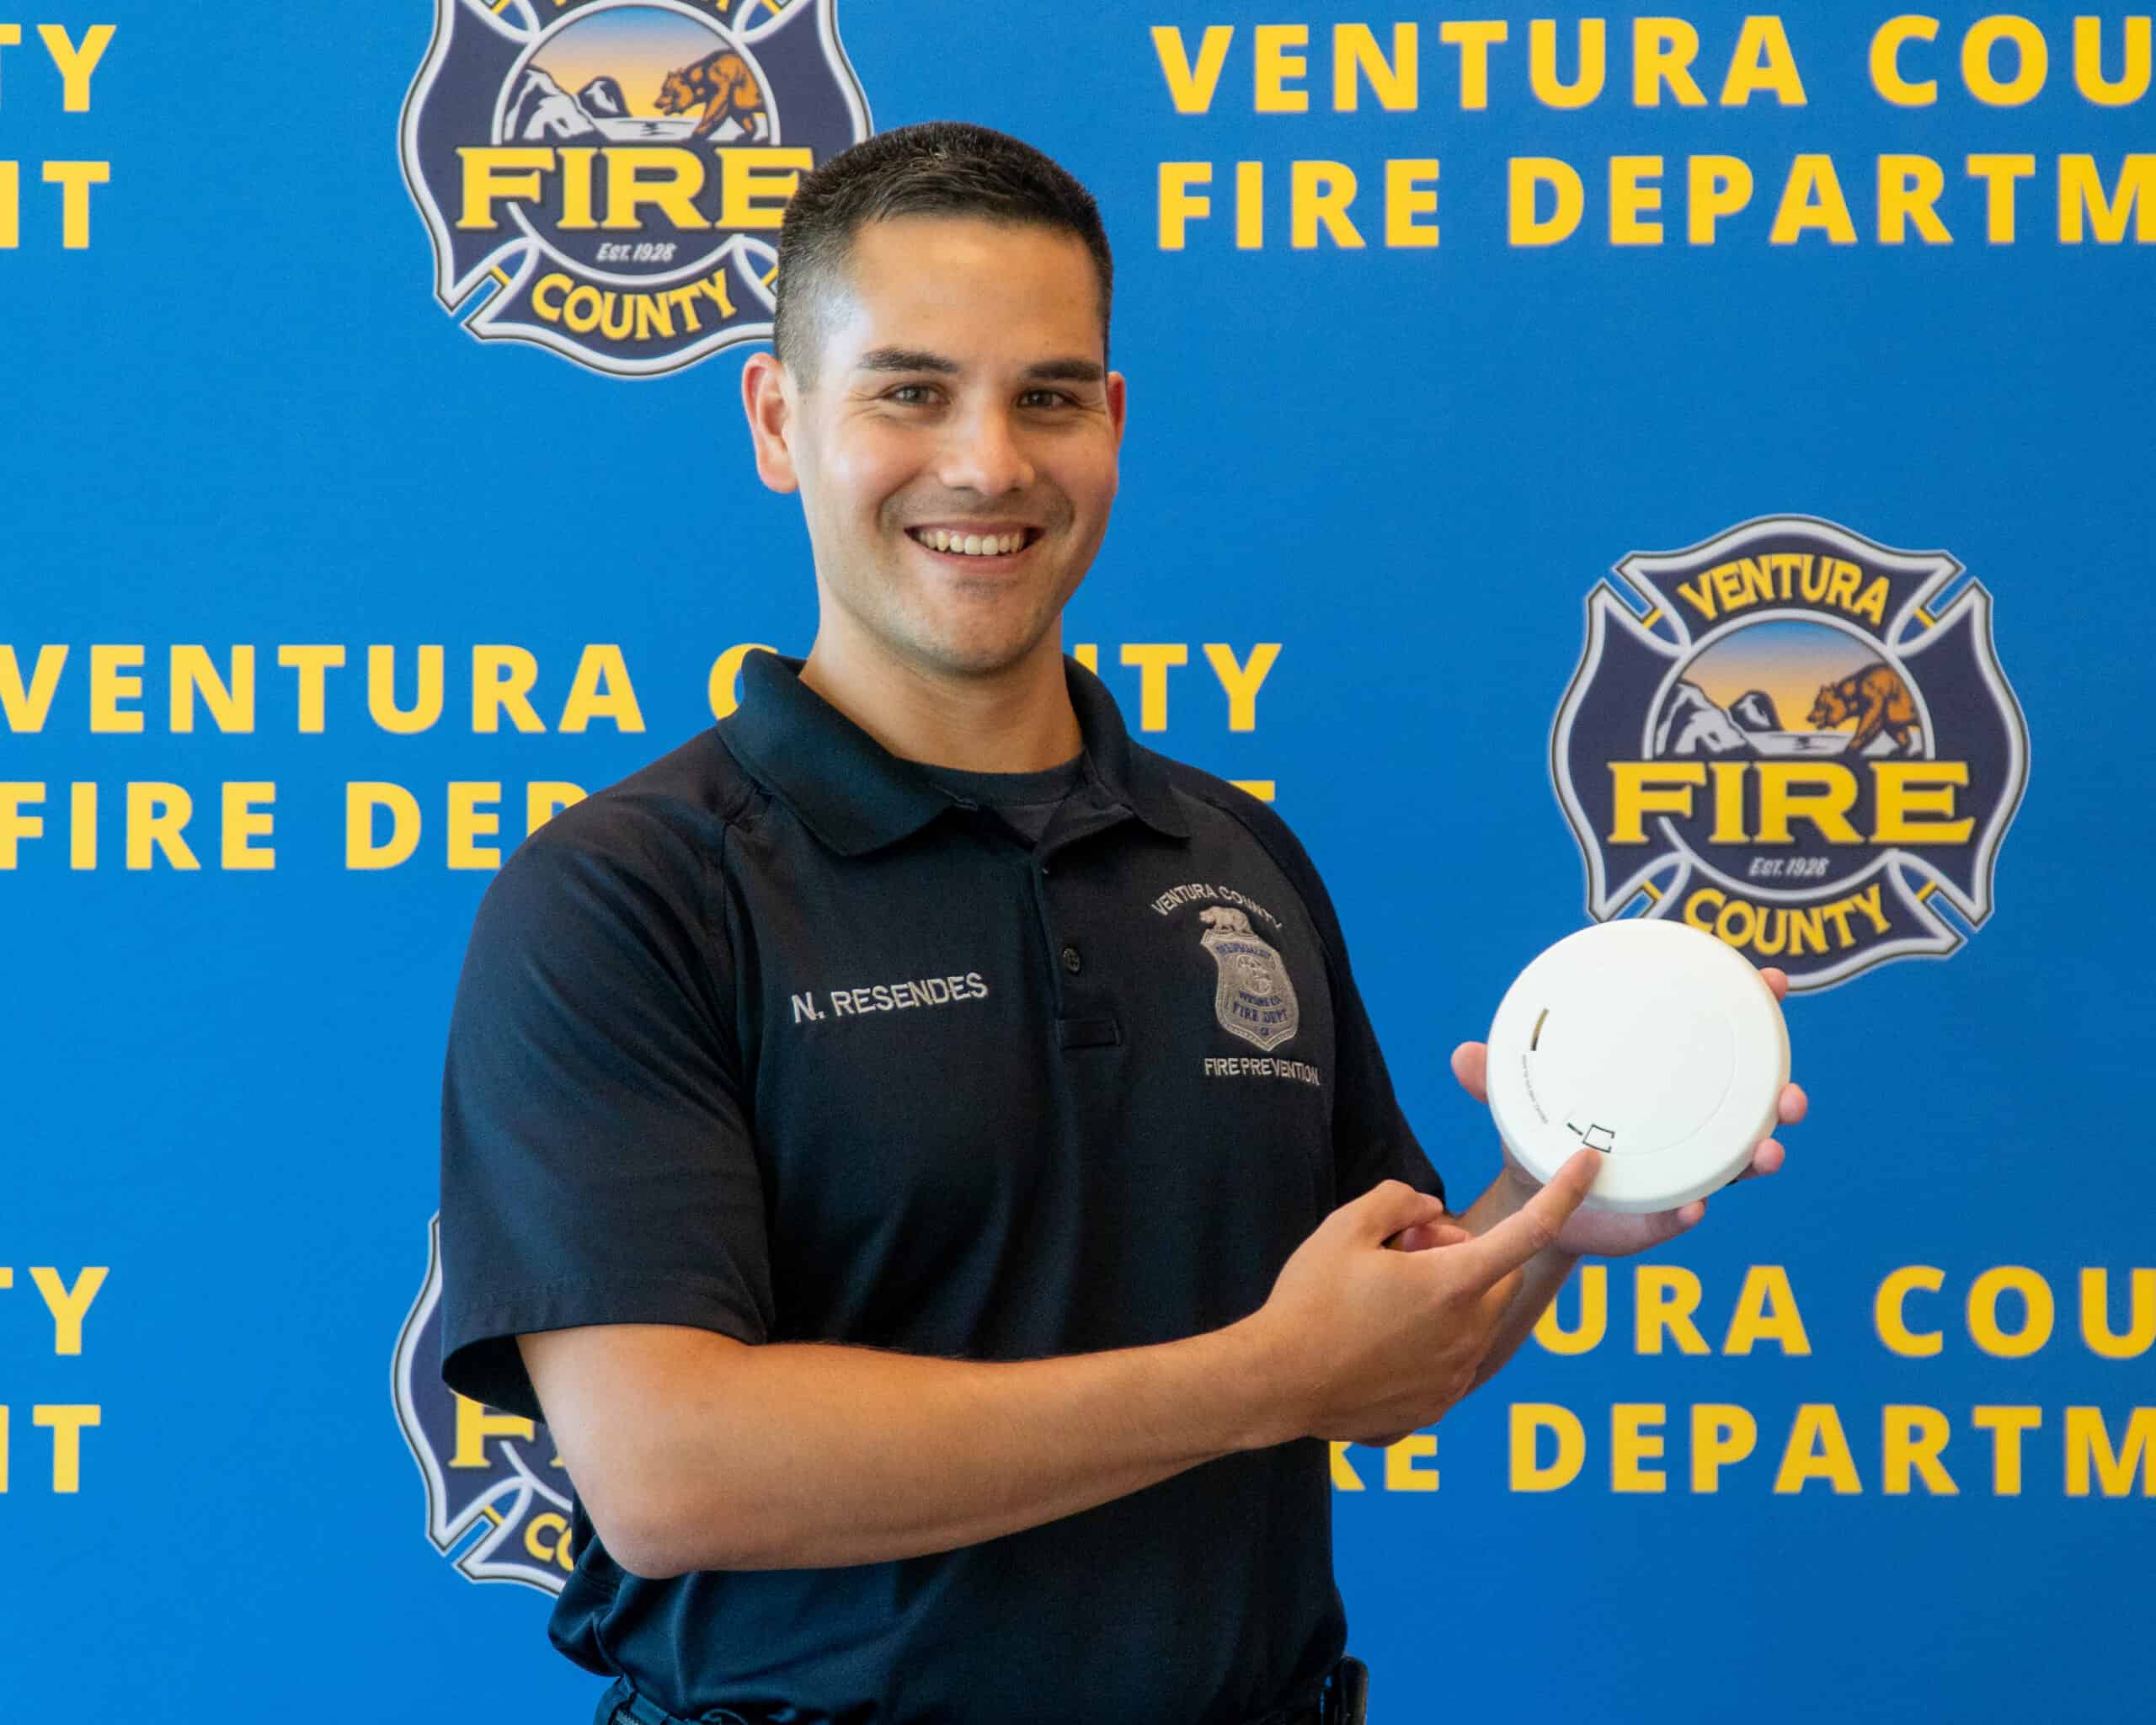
(957, 293)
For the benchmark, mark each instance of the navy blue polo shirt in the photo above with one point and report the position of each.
(780, 1038)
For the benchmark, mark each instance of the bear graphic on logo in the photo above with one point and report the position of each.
(1878, 700)
(726, 87)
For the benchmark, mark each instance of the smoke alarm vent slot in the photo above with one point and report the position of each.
(1537, 1037)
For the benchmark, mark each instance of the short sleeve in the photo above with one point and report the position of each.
(596, 1164)
(1372, 1141)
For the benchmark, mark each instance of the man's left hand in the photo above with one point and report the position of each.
(1608, 1233)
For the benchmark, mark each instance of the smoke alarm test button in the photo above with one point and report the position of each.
(1650, 1041)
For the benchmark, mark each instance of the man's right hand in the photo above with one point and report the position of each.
(1368, 1344)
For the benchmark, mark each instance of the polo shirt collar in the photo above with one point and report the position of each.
(856, 796)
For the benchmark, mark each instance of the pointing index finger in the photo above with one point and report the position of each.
(1534, 1226)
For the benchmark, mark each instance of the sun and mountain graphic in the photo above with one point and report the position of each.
(635, 74)
(1739, 696)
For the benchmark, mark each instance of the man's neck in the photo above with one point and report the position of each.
(1016, 720)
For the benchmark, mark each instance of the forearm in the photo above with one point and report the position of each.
(818, 1455)
(1541, 1279)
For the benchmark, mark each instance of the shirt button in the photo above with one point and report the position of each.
(1071, 961)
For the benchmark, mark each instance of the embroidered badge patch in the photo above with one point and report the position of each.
(1254, 998)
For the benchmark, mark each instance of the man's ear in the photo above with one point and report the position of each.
(1118, 403)
(764, 399)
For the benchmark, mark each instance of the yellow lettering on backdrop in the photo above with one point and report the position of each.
(1663, 49)
(1241, 682)
(158, 814)
(1529, 1420)
(1722, 1435)
(66, 1421)
(361, 798)
(1666, 1296)
(111, 685)
(1552, 91)
(1190, 86)
(1273, 66)
(1762, 62)
(469, 823)
(1909, 189)
(27, 709)
(1401, 1472)
(1180, 206)
(723, 688)
(2038, 1311)
(501, 682)
(382, 692)
(1885, 61)
(230, 702)
(2132, 82)
(1911, 1441)
(313, 665)
(75, 179)
(1319, 194)
(1886, 1311)
(1528, 174)
(75, 63)
(1630, 200)
(245, 817)
(1715, 186)
(1632, 1444)
(601, 689)
(2006, 1425)
(1153, 660)
(1474, 38)
(1409, 190)
(1356, 56)
(2030, 60)
(2081, 200)
(1813, 198)
(67, 1305)
(1766, 1312)
(1817, 1449)
(2089, 1449)
(2097, 1329)
(1999, 174)
(15, 826)
(1593, 1283)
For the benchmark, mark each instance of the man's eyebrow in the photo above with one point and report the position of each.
(904, 359)
(909, 358)
(1067, 371)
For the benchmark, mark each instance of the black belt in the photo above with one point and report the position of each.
(1346, 1690)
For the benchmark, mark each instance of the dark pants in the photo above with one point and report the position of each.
(1345, 1693)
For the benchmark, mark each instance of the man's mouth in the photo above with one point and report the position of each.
(1000, 541)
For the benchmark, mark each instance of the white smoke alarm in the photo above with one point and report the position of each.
(1652, 1042)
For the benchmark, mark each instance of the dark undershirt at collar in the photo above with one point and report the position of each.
(1028, 800)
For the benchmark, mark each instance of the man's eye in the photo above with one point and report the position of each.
(909, 395)
(1045, 398)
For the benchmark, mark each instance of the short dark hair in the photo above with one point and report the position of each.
(941, 168)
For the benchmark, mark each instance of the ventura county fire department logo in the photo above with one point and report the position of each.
(497, 1497)
(1797, 739)
(613, 172)
(1254, 998)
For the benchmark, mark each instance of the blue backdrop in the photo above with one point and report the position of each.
(237, 416)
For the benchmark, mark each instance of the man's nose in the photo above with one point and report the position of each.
(984, 452)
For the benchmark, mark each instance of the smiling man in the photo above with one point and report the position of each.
(923, 1152)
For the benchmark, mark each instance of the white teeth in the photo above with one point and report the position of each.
(973, 544)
